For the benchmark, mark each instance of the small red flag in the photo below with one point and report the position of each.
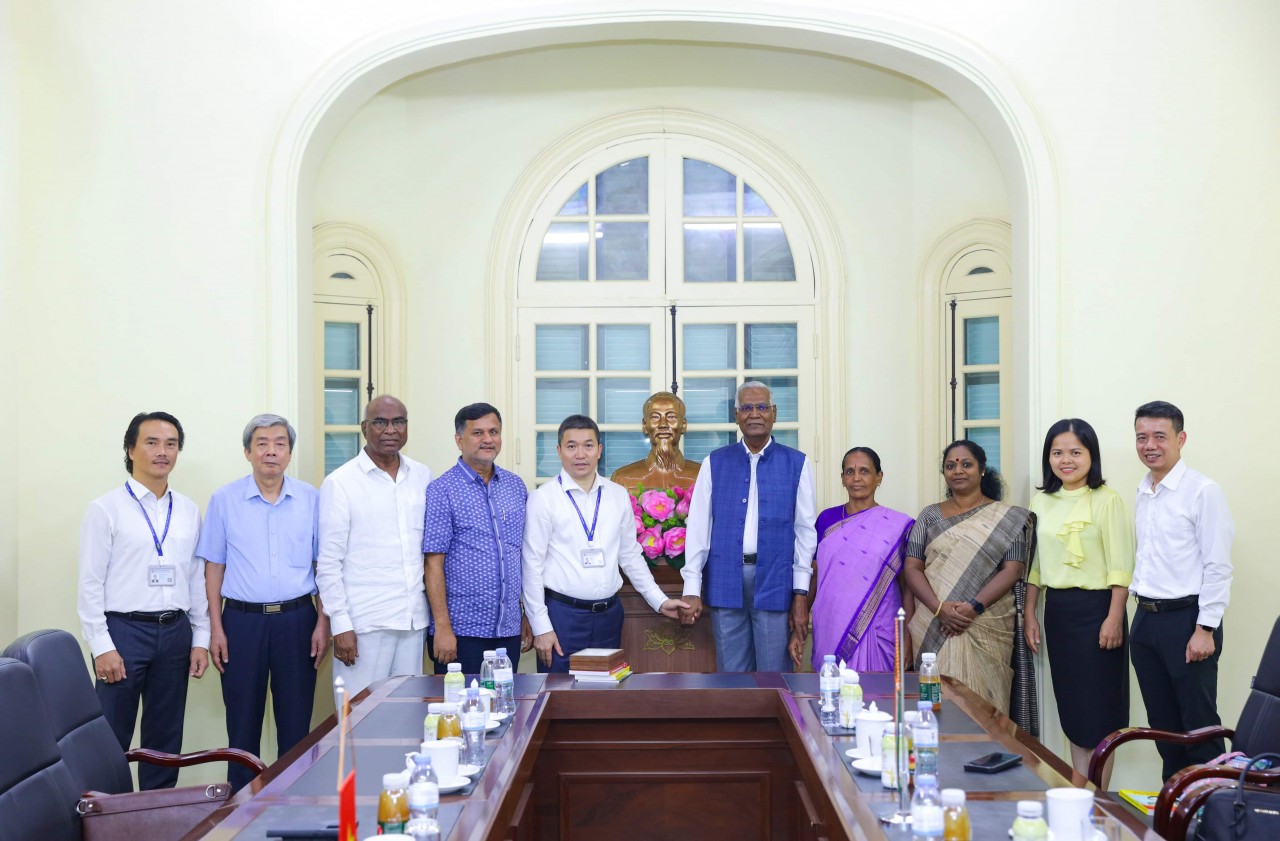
(347, 808)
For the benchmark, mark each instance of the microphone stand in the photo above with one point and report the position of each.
(902, 817)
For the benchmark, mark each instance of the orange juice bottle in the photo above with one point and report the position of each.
(393, 806)
(450, 725)
(955, 816)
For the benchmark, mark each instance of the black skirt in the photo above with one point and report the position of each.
(1091, 684)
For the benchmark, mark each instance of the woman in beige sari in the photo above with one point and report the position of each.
(963, 557)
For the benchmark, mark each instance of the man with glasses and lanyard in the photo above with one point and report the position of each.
(751, 534)
(141, 596)
(369, 566)
(579, 530)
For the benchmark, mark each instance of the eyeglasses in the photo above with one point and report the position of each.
(382, 423)
(748, 408)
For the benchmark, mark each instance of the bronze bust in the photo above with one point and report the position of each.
(665, 466)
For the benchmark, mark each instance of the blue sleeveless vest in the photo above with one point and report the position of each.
(777, 482)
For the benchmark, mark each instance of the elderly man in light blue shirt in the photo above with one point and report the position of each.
(259, 545)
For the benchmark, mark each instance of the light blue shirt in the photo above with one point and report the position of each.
(268, 549)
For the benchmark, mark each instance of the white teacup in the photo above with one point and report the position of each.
(1069, 810)
(444, 759)
(486, 698)
(871, 727)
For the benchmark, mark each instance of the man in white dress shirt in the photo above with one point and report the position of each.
(141, 595)
(1182, 580)
(751, 534)
(579, 529)
(369, 567)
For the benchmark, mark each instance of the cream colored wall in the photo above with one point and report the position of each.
(145, 130)
(10, 344)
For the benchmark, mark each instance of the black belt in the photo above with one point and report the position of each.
(159, 617)
(749, 559)
(583, 604)
(1165, 605)
(266, 607)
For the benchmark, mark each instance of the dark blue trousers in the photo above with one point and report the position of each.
(577, 628)
(272, 649)
(157, 665)
(471, 652)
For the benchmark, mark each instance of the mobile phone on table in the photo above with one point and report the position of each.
(993, 763)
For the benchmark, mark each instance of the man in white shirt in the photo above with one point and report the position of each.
(141, 596)
(751, 533)
(579, 529)
(1182, 580)
(369, 567)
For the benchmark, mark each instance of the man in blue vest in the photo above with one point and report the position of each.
(751, 536)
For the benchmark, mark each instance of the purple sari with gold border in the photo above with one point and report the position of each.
(859, 559)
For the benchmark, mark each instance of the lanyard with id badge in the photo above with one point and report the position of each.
(592, 556)
(159, 574)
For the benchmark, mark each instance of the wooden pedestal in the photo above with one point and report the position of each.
(655, 643)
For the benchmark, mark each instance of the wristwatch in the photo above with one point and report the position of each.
(977, 606)
(1209, 629)
(798, 592)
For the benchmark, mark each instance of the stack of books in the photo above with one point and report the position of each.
(599, 665)
(1144, 800)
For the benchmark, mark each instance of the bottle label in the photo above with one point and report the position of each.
(391, 827)
(931, 691)
(829, 684)
(502, 676)
(926, 819)
(486, 684)
(473, 720)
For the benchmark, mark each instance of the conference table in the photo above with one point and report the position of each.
(661, 756)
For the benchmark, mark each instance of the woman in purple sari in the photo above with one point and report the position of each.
(860, 553)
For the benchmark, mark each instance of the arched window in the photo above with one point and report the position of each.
(661, 261)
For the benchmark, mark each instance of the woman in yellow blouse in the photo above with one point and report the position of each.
(1084, 563)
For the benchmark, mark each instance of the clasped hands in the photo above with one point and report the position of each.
(955, 617)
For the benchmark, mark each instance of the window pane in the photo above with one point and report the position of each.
(770, 346)
(698, 445)
(711, 252)
(709, 190)
(341, 401)
(339, 448)
(622, 347)
(752, 204)
(548, 460)
(982, 396)
(710, 347)
(786, 396)
(622, 250)
(342, 346)
(621, 448)
(988, 438)
(982, 341)
(709, 399)
(766, 254)
(621, 399)
(561, 347)
(790, 437)
(577, 203)
(624, 188)
(557, 398)
(564, 252)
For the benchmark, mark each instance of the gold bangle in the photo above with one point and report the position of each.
(939, 610)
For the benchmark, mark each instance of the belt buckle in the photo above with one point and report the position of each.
(168, 617)
(276, 607)
(599, 607)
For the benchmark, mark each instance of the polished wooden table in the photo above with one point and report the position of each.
(660, 756)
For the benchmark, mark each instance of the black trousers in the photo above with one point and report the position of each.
(267, 649)
(471, 652)
(1179, 696)
(157, 665)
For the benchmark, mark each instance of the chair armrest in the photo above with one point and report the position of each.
(1107, 746)
(1173, 822)
(176, 760)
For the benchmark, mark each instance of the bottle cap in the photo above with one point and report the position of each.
(921, 706)
(828, 658)
(455, 667)
(391, 780)
(928, 657)
(1030, 809)
(926, 781)
(422, 759)
(448, 709)
(500, 652)
(849, 676)
(488, 655)
(435, 708)
(953, 797)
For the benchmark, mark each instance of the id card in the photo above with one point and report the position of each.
(592, 558)
(161, 575)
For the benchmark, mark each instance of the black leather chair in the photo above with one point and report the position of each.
(84, 738)
(37, 792)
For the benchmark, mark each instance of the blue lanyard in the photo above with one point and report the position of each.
(158, 541)
(595, 518)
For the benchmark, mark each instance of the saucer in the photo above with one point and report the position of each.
(498, 716)
(855, 754)
(493, 724)
(869, 765)
(470, 770)
(455, 784)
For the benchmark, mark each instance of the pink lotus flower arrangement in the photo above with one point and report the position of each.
(660, 523)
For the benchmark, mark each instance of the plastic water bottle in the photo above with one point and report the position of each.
(925, 736)
(473, 722)
(454, 682)
(850, 698)
(486, 670)
(504, 684)
(829, 691)
(955, 816)
(423, 780)
(1030, 825)
(424, 799)
(930, 680)
(926, 810)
